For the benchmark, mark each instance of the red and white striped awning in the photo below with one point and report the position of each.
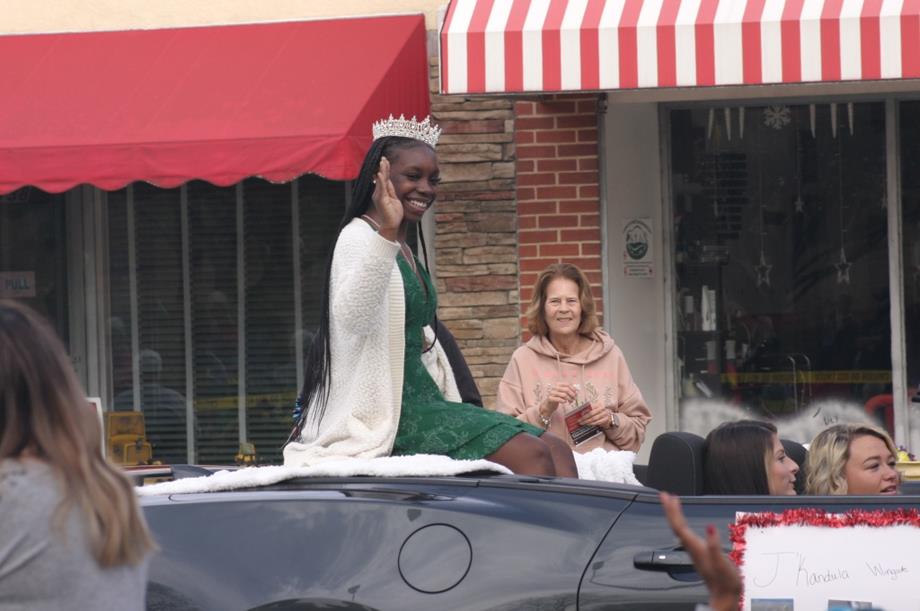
(578, 45)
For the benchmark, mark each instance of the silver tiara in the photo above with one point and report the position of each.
(408, 128)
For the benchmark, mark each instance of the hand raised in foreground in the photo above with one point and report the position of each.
(387, 205)
(721, 576)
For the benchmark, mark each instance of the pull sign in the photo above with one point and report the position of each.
(17, 285)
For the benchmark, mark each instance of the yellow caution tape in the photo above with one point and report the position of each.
(865, 376)
(252, 401)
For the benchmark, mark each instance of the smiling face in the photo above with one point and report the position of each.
(415, 176)
(870, 468)
(562, 308)
(781, 470)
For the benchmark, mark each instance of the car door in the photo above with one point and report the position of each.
(498, 543)
(640, 566)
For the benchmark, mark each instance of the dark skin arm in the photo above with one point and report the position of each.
(721, 576)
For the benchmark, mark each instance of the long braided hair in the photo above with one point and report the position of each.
(318, 358)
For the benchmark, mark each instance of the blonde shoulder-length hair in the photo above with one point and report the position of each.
(828, 454)
(44, 415)
(536, 316)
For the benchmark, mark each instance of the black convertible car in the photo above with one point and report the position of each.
(478, 541)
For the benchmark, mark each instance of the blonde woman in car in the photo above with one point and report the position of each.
(852, 459)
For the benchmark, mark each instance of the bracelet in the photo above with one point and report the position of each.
(543, 419)
(614, 420)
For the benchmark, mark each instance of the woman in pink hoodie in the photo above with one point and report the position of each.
(571, 363)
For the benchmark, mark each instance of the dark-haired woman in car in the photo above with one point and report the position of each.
(747, 457)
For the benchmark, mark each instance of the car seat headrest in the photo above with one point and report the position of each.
(675, 463)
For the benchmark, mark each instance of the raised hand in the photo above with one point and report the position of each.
(721, 576)
(389, 210)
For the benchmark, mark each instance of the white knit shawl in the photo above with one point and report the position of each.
(366, 333)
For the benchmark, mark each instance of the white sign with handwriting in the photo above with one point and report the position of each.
(817, 567)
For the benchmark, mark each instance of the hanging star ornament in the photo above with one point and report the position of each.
(799, 204)
(763, 271)
(843, 268)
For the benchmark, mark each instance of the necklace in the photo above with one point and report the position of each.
(407, 255)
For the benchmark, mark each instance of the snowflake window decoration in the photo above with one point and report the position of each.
(777, 117)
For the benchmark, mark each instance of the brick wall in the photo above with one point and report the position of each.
(519, 191)
(557, 189)
(476, 231)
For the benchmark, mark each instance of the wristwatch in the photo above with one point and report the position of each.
(614, 420)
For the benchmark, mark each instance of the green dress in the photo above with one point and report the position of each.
(428, 423)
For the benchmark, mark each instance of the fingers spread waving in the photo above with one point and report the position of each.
(720, 575)
(385, 200)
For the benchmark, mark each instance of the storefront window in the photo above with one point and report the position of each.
(781, 253)
(205, 328)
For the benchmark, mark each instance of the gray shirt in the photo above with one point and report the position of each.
(43, 567)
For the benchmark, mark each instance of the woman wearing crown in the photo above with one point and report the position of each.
(377, 382)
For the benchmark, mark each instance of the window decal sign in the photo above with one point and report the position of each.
(17, 285)
(637, 248)
(808, 559)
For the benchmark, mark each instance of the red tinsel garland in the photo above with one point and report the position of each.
(809, 516)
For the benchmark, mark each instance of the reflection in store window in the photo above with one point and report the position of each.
(33, 247)
(224, 349)
(780, 226)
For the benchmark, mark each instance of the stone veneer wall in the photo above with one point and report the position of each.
(485, 266)
(476, 231)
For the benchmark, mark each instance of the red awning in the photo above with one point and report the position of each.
(575, 45)
(216, 103)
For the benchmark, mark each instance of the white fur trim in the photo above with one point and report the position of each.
(418, 465)
(614, 466)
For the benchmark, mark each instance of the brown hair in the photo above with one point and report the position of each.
(735, 457)
(536, 317)
(829, 452)
(44, 414)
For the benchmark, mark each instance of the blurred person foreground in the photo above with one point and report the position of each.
(73, 536)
